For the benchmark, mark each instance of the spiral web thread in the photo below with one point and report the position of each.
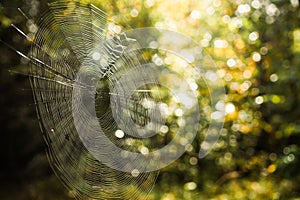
(66, 37)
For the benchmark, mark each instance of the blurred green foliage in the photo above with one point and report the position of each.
(255, 45)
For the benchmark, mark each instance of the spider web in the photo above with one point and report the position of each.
(68, 33)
